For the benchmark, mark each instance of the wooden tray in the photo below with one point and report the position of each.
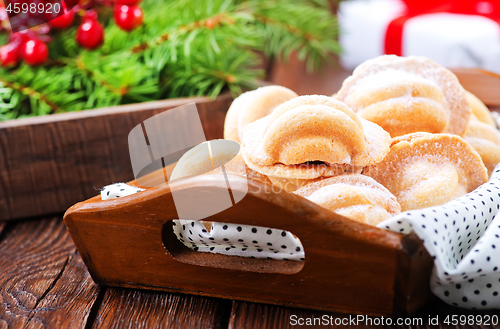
(49, 163)
(349, 266)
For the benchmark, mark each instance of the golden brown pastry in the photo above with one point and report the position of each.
(407, 94)
(291, 184)
(251, 106)
(485, 139)
(354, 196)
(424, 170)
(479, 110)
(310, 137)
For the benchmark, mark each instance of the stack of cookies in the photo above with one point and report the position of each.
(401, 134)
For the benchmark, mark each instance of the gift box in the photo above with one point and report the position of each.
(452, 33)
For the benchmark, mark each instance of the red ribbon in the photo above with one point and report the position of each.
(394, 33)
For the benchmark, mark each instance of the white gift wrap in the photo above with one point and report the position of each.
(451, 40)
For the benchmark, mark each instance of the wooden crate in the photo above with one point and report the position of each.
(49, 163)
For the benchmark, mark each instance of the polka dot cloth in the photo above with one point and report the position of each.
(463, 237)
(239, 240)
(228, 239)
(118, 190)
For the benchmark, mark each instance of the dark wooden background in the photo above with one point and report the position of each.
(44, 283)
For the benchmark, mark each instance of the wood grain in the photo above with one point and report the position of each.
(42, 280)
(135, 309)
(73, 293)
(483, 84)
(49, 163)
(67, 294)
(251, 315)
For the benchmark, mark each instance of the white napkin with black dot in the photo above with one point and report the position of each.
(118, 190)
(223, 238)
(463, 237)
(239, 240)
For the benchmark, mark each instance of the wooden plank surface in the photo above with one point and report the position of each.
(129, 308)
(73, 294)
(251, 315)
(43, 282)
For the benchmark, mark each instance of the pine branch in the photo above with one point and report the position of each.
(309, 30)
(185, 48)
(208, 23)
(30, 93)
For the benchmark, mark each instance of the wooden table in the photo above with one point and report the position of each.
(44, 284)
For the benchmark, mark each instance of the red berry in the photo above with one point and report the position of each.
(128, 2)
(61, 22)
(35, 52)
(9, 55)
(90, 34)
(128, 17)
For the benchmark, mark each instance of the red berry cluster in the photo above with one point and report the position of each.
(128, 15)
(30, 45)
(25, 46)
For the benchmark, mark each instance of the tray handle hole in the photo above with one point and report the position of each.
(283, 241)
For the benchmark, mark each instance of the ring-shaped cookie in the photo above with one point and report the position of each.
(355, 196)
(406, 95)
(424, 170)
(309, 141)
(251, 106)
